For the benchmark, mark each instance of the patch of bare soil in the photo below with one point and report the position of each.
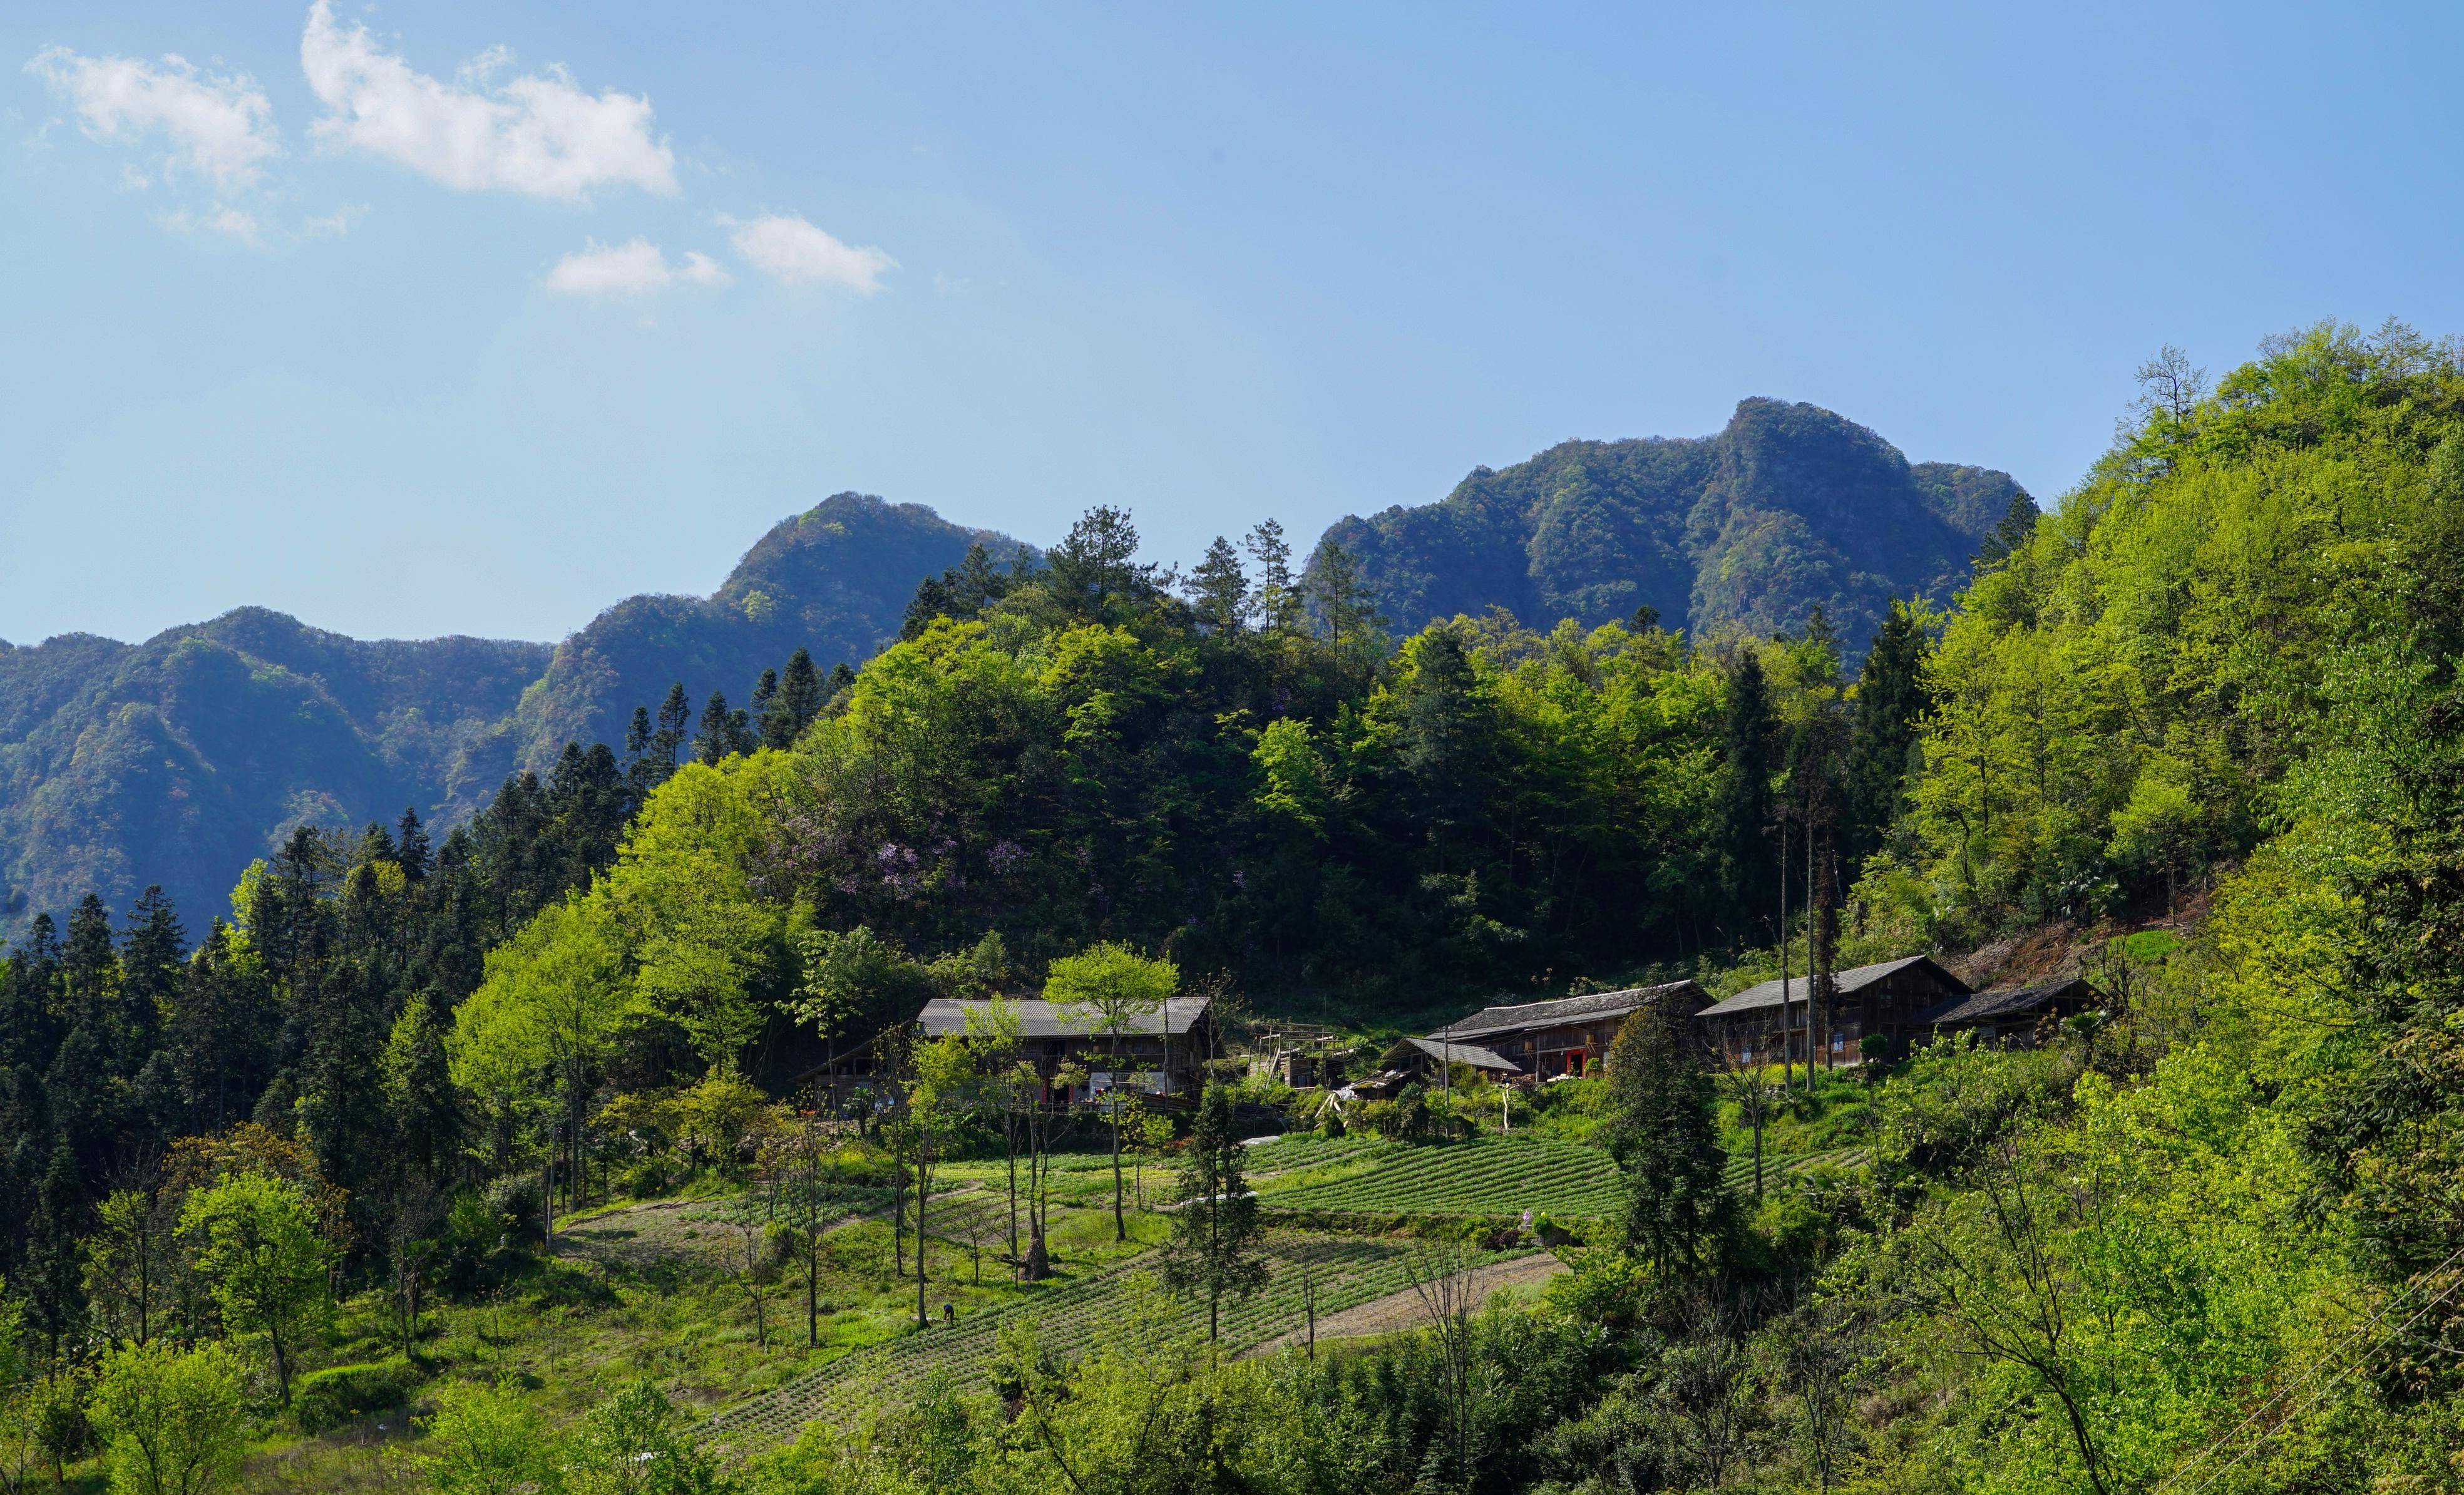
(1397, 1311)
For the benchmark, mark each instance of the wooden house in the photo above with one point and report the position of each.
(2017, 1017)
(1771, 1023)
(1569, 1035)
(1155, 1053)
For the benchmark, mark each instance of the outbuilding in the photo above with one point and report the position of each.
(2019, 1017)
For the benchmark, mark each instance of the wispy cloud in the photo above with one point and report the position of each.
(230, 222)
(789, 250)
(219, 127)
(634, 269)
(536, 133)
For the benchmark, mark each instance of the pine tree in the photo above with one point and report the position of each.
(56, 1285)
(723, 732)
(1744, 806)
(90, 971)
(1343, 604)
(152, 960)
(424, 1111)
(1661, 1132)
(798, 701)
(30, 1027)
(1219, 589)
(675, 721)
(1278, 602)
(1216, 1230)
(220, 1033)
(2015, 529)
(1891, 700)
(410, 846)
(764, 690)
(1093, 572)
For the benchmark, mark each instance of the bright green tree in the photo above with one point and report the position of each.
(264, 1261)
(488, 1440)
(1112, 988)
(635, 1443)
(171, 1418)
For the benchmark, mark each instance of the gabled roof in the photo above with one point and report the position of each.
(1852, 981)
(2007, 1001)
(945, 1016)
(1471, 1054)
(1591, 1006)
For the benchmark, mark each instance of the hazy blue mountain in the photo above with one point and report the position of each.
(180, 759)
(1789, 507)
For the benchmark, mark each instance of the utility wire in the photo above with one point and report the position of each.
(2313, 1400)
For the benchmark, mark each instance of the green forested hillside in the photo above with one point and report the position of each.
(2196, 735)
(1788, 508)
(179, 759)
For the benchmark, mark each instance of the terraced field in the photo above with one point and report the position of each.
(1487, 1176)
(1740, 1172)
(1072, 1316)
(1477, 1175)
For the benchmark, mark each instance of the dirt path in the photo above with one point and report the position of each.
(1402, 1310)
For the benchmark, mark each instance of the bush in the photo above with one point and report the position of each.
(328, 1399)
(516, 1201)
(474, 1231)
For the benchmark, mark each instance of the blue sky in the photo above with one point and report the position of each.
(458, 317)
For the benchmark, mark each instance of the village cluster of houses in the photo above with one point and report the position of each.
(1164, 1053)
(1900, 1002)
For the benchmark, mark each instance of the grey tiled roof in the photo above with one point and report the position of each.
(1471, 1054)
(944, 1016)
(2004, 1001)
(1851, 982)
(1589, 1007)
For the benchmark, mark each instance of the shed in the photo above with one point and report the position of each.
(2012, 1017)
(1426, 1053)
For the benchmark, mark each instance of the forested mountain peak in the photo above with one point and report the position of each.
(1788, 508)
(181, 759)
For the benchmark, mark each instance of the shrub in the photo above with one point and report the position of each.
(516, 1201)
(474, 1231)
(328, 1399)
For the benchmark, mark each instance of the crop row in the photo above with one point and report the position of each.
(1487, 1176)
(1740, 1172)
(1071, 1317)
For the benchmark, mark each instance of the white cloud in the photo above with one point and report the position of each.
(635, 268)
(793, 251)
(231, 221)
(536, 133)
(219, 127)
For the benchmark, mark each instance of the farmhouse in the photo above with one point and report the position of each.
(1896, 1000)
(2017, 1017)
(1570, 1035)
(1159, 1053)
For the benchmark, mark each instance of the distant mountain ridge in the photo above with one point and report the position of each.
(181, 759)
(1789, 507)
